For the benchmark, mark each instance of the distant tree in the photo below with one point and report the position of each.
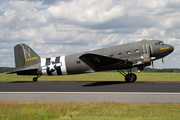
(6, 69)
(171, 70)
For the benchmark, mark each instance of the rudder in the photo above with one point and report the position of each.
(25, 58)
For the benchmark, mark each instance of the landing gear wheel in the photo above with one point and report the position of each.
(35, 79)
(130, 78)
(135, 77)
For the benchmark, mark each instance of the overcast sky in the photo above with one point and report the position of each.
(61, 27)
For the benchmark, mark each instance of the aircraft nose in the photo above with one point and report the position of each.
(171, 48)
(163, 51)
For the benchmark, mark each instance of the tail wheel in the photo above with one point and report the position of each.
(130, 78)
(35, 79)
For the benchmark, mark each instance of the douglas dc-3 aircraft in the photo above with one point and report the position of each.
(138, 54)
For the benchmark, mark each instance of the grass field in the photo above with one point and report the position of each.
(87, 111)
(99, 76)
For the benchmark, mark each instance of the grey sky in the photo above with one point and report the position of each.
(58, 27)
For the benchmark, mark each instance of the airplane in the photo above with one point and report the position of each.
(121, 57)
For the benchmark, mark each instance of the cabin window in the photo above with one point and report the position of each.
(119, 54)
(111, 55)
(78, 62)
(128, 52)
(137, 50)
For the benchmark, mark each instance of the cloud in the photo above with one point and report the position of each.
(57, 27)
(86, 12)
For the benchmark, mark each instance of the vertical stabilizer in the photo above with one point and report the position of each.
(25, 58)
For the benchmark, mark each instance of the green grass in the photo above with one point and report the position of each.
(99, 76)
(87, 111)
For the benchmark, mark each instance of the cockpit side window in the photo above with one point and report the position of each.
(161, 43)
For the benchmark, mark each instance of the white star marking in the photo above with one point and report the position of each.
(51, 66)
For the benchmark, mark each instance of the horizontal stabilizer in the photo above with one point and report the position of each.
(27, 72)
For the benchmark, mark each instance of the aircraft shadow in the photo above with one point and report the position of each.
(103, 83)
(21, 82)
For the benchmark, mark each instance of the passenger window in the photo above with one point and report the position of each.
(78, 62)
(119, 54)
(128, 52)
(156, 44)
(137, 50)
(111, 55)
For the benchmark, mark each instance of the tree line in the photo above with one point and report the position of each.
(164, 70)
(6, 69)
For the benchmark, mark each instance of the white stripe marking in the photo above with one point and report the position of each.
(43, 61)
(63, 67)
(43, 66)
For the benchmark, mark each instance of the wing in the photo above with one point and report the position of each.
(103, 63)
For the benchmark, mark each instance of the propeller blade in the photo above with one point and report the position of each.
(150, 52)
(152, 64)
(162, 61)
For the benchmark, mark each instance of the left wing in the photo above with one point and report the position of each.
(103, 63)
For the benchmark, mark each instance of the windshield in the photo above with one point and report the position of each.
(161, 43)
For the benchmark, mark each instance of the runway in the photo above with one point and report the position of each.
(91, 91)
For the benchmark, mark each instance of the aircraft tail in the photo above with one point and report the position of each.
(27, 62)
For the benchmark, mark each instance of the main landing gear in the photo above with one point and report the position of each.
(35, 79)
(130, 77)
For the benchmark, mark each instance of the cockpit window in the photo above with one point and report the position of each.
(161, 43)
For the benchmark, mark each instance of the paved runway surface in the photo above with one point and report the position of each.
(84, 86)
(91, 91)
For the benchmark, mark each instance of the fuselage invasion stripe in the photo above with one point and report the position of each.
(47, 61)
(59, 67)
(43, 63)
(63, 67)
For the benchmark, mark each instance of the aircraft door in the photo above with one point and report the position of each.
(145, 58)
(147, 49)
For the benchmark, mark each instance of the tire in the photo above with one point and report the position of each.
(35, 79)
(130, 78)
(134, 76)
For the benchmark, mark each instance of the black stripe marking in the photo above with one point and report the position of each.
(57, 60)
(47, 61)
(59, 72)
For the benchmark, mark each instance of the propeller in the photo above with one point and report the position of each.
(152, 64)
(162, 61)
(151, 58)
